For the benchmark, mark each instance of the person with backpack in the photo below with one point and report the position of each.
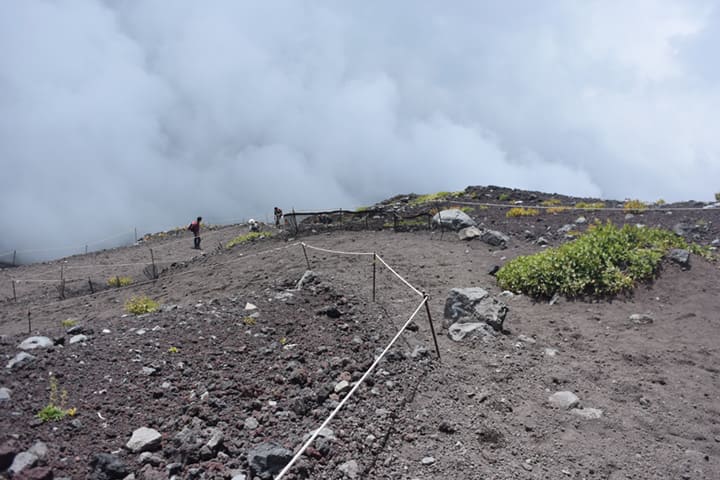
(195, 228)
(278, 216)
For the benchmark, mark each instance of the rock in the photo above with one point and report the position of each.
(20, 360)
(715, 242)
(459, 331)
(453, 219)
(267, 459)
(32, 343)
(307, 278)
(350, 469)
(4, 397)
(495, 238)
(683, 229)
(551, 352)
(39, 449)
(493, 270)
(144, 439)
(587, 413)
(251, 423)
(108, 466)
(469, 233)
(565, 229)
(641, 318)
(427, 460)
(580, 220)
(526, 339)
(331, 312)
(564, 400)
(78, 338)
(149, 458)
(250, 306)
(541, 241)
(148, 371)
(78, 329)
(22, 461)
(472, 305)
(342, 386)
(680, 256)
(8, 450)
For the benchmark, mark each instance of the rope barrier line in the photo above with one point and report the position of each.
(350, 393)
(337, 251)
(400, 276)
(573, 207)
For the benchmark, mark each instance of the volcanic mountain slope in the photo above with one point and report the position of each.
(219, 379)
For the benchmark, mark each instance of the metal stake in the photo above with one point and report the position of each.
(306, 257)
(432, 328)
(374, 268)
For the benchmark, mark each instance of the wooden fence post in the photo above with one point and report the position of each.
(92, 290)
(14, 255)
(306, 257)
(154, 270)
(14, 294)
(62, 281)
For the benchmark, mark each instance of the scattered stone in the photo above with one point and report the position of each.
(680, 256)
(551, 352)
(267, 459)
(37, 473)
(641, 318)
(251, 423)
(144, 439)
(469, 233)
(4, 397)
(493, 270)
(110, 466)
(331, 312)
(526, 339)
(587, 413)
(580, 220)
(460, 331)
(78, 338)
(350, 469)
(250, 306)
(148, 371)
(22, 461)
(419, 352)
(542, 241)
(447, 427)
(307, 278)
(32, 343)
(564, 400)
(20, 360)
(495, 238)
(427, 460)
(39, 449)
(555, 299)
(453, 220)
(342, 386)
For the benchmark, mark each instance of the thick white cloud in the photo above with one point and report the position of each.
(145, 113)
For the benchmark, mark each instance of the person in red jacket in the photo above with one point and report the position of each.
(195, 228)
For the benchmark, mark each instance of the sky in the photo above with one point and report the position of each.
(118, 115)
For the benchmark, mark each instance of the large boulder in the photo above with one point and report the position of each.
(494, 238)
(469, 233)
(31, 343)
(473, 305)
(143, 440)
(453, 219)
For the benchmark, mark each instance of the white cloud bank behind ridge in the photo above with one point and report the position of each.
(147, 113)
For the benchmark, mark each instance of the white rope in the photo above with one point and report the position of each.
(337, 251)
(347, 397)
(400, 277)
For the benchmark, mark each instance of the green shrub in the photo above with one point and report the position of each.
(67, 323)
(717, 197)
(503, 197)
(551, 202)
(248, 237)
(521, 212)
(119, 281)
(555, 210)
(606, 260)
(140, 305)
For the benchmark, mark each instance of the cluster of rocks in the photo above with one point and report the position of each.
(473, 311)
(467, 228)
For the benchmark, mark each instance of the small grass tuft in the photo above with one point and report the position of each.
(433, 197)
(590, 205)
(522, 212)
(69, 322)
(55, 409)
(119, 281)
(551, 202)
(556, 210)
(248, 237)
(140, 305)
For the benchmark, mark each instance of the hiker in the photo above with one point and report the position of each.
(254, 226)
(278, 216)
(195, 228)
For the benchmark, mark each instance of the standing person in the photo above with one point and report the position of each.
(195, 228)
(278, 216)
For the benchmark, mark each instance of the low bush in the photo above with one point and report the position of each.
(634, 206)
(521, 212)
(604, 261)
(717, 197)
(590, 205)
(504, 197)
(140, 305)
(119, 281)
(433, 197)
(551, 202)
(555, 210)
(247, 237)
